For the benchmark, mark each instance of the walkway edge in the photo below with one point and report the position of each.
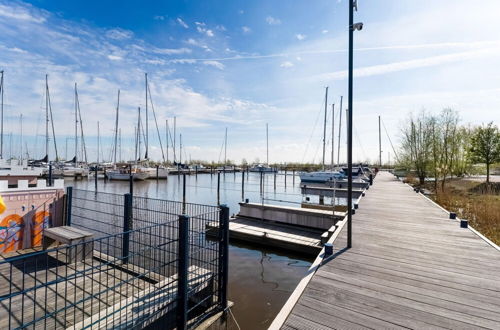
(280, 319)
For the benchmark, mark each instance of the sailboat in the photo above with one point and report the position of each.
(159, 172)
(75, 170)
(264, 167)
(324, 175)
(124, 172)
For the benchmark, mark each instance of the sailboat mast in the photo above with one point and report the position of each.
(1, 114)
(225, 149)
(21, 123)
(76, 126)
(340, 129)
(139, 124)
(147, 130)
(83, 145)
(166, 135)
(175, 127)
(46, 116)
(120, 143)
(98, 142)
(116, 126)
(333, 131)
(180, 148)
(51, 121)
(379, 144)
(324, 126)
(267, 144)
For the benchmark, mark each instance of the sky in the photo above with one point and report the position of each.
(241, 65)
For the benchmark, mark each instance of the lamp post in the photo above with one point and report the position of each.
(353, 5)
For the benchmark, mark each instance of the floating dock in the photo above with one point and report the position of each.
(410, 266)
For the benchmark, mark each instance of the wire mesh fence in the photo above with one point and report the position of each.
(141, 264)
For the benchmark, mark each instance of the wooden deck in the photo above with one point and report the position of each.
(410, 267)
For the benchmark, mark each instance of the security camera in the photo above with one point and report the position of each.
(357, 26)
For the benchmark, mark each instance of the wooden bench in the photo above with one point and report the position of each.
(75, 238)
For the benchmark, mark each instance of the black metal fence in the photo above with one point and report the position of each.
(146, 265)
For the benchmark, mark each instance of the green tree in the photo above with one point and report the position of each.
(485, 146)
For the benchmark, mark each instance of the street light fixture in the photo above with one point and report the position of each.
(357, 26)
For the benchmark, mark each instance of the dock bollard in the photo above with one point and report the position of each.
(356, 206)
(453, 215)
(464, 223)
(328, 249)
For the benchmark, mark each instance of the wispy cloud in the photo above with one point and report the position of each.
(286, 64)
(215, 64)
(201, 28)
(21, 14)
(159, 18)
(246, 29)
(182, 23)
(300, 36)
(273, 21)
(172, 51)
(119, 34)
(380, 69)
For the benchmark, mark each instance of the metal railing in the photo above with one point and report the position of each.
(146, 265)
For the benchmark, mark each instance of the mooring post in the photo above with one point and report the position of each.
(218, 188)
(242, 185)
(260, 183)
(182, 272)
(275, 174)
(127, 226)
(184, 193)
(157, 169)
(371, 179)
(95, 177)
(293, 178)
(131, 180)
(50, 175)
(285, 177)
(69, 198)
(223, 254)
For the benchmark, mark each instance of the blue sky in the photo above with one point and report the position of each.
(242, 64)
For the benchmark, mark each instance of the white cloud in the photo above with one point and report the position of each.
(246, 29)
(115, 57)
(300, 36)
(172, 51)
(119, 34)
(286, 64)
(324, 31)
(201, 28)
(20, 13)
(380, 69)
(215, 64)
(159, 18)
(273, 21)
(182, 23)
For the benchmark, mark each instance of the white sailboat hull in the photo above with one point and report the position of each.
(112, 175)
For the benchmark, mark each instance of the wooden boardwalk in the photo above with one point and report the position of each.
(410, 267)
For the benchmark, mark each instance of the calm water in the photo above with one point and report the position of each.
(260, 280)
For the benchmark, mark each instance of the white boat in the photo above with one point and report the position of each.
(321, 176)
(13, 171)
(261, 168)
(151, 171)
(72, 171)
(123, 174)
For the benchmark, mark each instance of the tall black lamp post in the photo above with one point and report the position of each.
(353, 5)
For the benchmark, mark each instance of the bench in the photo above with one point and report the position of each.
(75, 238)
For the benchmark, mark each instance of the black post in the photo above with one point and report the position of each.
(182, 271)
(218, 188)
(127, 226)
(184, 193)
(131, 180)
(223, 254)
(69, 200)
(242, 185)
(371, 179)
(293, 178)
(50, 175)
(157, 170)
(95, 177)
(275, 174)
(260, 183)
(285, 177)
(349, 128)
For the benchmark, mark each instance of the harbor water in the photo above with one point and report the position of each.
(260, 279)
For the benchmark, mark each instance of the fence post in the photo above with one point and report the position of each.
(69, 200)
(223, 254)
(218, 188)
(127, 226)
(182, 275)
(183, 193)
